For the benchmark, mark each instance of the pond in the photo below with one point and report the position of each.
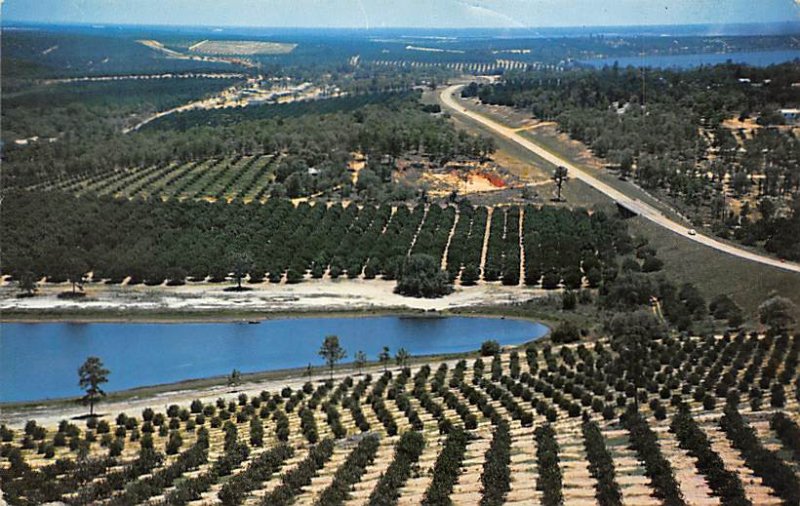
(41, 360)
(683, 61)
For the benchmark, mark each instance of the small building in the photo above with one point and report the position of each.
(791, 115)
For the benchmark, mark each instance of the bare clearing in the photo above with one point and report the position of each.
(241, 47)
(310, 295)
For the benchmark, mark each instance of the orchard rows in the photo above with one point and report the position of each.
(717, 423)
(243, 177)
(281, 242)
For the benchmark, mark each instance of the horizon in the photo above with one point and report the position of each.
(414, 14)
(654, 30)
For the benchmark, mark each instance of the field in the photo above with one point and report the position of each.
(717, 424)
(243, 177)
(241, 47)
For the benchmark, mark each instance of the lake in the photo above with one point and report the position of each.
(755, 58)
(41, 360)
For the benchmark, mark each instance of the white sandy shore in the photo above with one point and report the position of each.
(310, 295)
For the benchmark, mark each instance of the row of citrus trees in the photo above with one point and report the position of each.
(153, 241)
(673, 369)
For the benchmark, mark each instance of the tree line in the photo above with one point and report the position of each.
(664, 128)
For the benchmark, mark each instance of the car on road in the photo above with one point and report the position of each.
(692, 231)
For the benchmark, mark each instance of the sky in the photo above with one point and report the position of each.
(401, 13)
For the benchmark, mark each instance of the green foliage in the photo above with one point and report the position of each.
(406, 454)
(446, 468)
(664, 136)
(657, 468)
(299, 476)
(724, 483)
(350, 471)
(550, 479)
(496, 475)
(91, 375)
(777, 313)
(601, 466)
(422, 277)
(566, 332)
(332, 352)
(772, 470)
(490, 348)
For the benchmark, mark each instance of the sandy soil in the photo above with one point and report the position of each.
(310, 295)
(443, 184)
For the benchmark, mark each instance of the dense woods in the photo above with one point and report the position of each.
(665, 128)
(321, 136)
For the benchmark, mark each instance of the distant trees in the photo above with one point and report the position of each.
(723, 307)
(402, 357)
(91, 375)
(664, 143)
(235, 378)
(75, 271)
(384, 357)
(421, 276)
(360, 360)
(332, 352)
(285, 241)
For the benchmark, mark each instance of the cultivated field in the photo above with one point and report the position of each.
(241, 47)
(243, 177)
(515, 245)
(542, 424)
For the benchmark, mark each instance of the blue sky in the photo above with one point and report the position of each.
(402, 13)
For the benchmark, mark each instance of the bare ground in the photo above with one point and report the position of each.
(310, 295)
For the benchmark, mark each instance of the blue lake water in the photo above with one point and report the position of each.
(755, 58)
(41, 360)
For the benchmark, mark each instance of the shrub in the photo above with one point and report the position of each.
(490, 348)
(496, 475)
(421, 276)
(549, 481)
(566, 332)
(601, 464)
(446, 469)
(406, 454)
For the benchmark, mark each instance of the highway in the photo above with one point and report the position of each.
(635, 205)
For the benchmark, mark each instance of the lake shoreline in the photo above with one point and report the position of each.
(202, 383)
(51, 411)
(756, 58)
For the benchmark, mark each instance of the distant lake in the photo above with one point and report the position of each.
(755, 58)
(41, 360)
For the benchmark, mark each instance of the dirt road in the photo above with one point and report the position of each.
(633, 204)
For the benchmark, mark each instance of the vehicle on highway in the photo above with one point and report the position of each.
(692, 231)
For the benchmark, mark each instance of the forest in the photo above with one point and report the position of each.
(665, 128)
(304, 138)
(80, 110)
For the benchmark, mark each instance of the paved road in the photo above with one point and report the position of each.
(645, 210)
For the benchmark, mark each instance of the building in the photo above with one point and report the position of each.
(791, 115)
